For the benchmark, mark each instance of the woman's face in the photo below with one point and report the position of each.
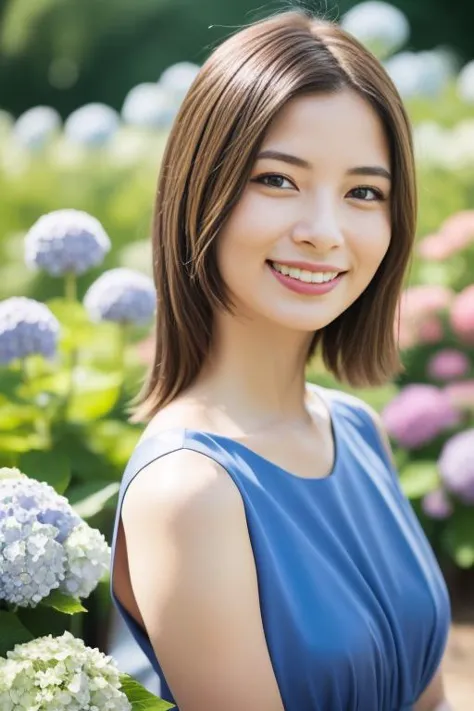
(313, 223)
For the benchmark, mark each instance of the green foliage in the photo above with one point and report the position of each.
(140, 698)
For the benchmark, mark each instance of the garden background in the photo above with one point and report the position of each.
(89, 91)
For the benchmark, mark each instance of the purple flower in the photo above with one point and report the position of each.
(27, 327)
(461, 394)
(418, 414)
(121, 295)
(437, 505)
(66, 241)
(448, 364)
(456, 465)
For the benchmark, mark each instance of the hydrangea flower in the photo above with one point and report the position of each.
(436, 504)
(419, 73)
(418, 414)
(462, 314)
(461, 394)
(87, 559)
(148, 105)
(465, 83)
(66, 241)
(380, 26)
(176, 80)
(419, 309)
(27, 327)
(35, 127)
(60, 673)
(92, 125)
(44, 544)
(456, 233)
(121, 295)
(448, 364)
(456, 465)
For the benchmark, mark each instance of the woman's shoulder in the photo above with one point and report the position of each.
(367, 415)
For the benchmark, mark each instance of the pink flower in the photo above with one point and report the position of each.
(418, 309)
(462, 314)
(430, 330)
(418, 414)
(436, 504)
(448, 364)
(453, 236)
(461, 394)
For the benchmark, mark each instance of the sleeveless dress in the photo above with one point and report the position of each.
(354, 607)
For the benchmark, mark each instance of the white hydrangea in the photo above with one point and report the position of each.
(44, 544)
(92, 125)
(176, 80)
(418, 74)
(465, 83)
(149, 105)
(381, 27)
(88, 557)
(60, 674)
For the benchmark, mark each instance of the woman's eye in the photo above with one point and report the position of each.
(274, 180)
(367, 194)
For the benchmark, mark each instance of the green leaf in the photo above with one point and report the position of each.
(95, 394)
(13, 416)
(51, 467)
(13, 632)
(94, 503)
(20, 442)
(140, 698)
(458, 537)
(419, 478)
(63, 603)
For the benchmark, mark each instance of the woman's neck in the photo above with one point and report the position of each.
(255, 372)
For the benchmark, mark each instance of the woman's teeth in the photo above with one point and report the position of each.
(303, 274)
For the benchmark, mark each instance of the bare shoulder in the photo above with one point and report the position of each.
(181, 482)
(193, 576)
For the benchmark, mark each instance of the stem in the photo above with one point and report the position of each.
(122, 349)
(70, 285)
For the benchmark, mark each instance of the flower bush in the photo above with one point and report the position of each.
(64, 443)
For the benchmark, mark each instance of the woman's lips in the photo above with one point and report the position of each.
(303, 287)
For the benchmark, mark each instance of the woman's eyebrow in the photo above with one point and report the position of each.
(377, 170)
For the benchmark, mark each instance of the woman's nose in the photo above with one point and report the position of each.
(321, 228)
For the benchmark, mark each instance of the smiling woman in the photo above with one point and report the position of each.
(264, 555)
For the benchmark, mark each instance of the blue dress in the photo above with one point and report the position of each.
(354, 607)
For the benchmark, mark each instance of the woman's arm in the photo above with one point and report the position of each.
(193, 577)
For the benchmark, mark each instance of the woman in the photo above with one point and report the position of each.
(264, 555)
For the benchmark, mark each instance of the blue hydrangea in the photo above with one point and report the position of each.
(381, 27)
(36, 127)
(148, 106)
(121, 295)
(456, 465)
(66, 241)
(27, 327)
(177, 79)
(44, 544)
(419, 73)
(465, 83)
(92, 125)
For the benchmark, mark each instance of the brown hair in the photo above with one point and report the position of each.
(206, 165)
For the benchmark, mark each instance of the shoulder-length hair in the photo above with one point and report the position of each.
(206, 164)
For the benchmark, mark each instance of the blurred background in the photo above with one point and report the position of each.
(89, 90)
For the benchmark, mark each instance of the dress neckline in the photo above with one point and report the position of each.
(220, 438)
